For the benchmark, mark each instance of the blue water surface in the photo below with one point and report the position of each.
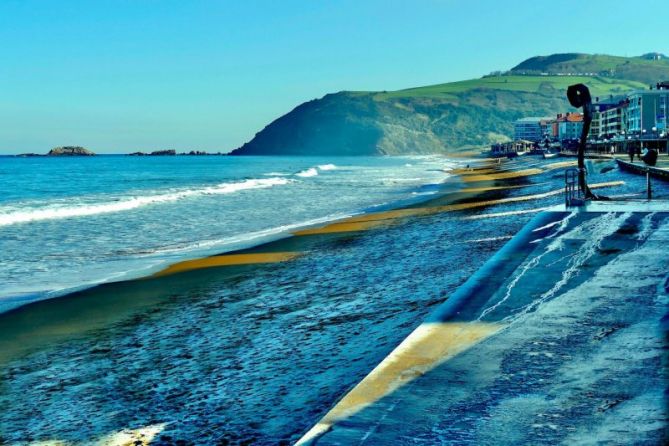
(68, 223)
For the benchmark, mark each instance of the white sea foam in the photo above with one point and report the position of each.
(162, 257)
(489, 239)
(646, 227)
(313, 171)
(592, 233)
(310, 172)
(153, 226)
(12, 217)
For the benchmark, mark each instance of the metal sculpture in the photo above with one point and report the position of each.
(579, 96)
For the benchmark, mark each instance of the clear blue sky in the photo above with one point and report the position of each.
(125, 75)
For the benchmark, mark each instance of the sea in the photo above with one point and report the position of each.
(71, 223)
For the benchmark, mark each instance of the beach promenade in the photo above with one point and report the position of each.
(558, 339)
(659, 171)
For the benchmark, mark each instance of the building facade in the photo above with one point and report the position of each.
(647, 112)
(641, 116)
(609, 117)
(613, 122)
(532, 129)
(567, 126)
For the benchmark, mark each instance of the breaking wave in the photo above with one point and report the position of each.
(310, 172)
(125, 204)
(313, 171)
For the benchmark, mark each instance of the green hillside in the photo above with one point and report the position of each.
(441, 118)
(522, 83)
(647, 68)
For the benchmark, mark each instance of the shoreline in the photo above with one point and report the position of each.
(233, 243)
(65, 315)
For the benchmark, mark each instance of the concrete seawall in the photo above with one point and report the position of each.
(655, 172)
(557, 338)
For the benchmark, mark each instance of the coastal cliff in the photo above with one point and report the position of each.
(448, 117)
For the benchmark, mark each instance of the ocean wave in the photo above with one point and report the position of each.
(161, 257)
(393, 180)
(126, 204)
(421, 194)
(313, 171)
(239, 241)
(488, 239)
(310, 172)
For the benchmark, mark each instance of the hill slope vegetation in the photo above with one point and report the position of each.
(447, 117)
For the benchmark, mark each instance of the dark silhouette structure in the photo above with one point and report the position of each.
(579, 96)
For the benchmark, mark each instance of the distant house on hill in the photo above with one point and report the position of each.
(653, 56)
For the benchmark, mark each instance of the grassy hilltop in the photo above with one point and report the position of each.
(447, 117)
(646, 68)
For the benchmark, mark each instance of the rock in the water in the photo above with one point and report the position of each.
(28, 155)
(164, 152)
(70, 151)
